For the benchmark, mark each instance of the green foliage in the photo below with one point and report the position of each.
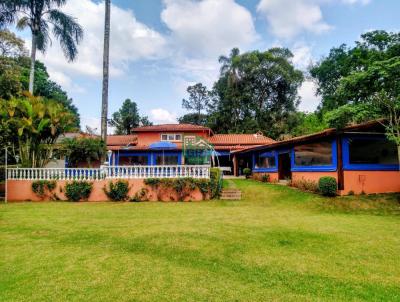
(184, 186)
(265, 178)
(215, 182)
(78, 190)
(141, 195)
(307, 123)
(198, 101)
(194, 118)
(83, 149)
(43, 188)
(38, 16)
(353, 75)
(247, 172)
(327, 185)
(35, 124)
(256, 91)
(351, 114)
(117, 191)
(127, 118)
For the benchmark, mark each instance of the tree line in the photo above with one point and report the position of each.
(258, 91)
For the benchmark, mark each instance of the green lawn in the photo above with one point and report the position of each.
(276, 244)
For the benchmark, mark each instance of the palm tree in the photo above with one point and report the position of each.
(39, 16)
(106, 55)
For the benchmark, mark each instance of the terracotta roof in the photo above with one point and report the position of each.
(171, 127)
(121, 140)
(240, 139)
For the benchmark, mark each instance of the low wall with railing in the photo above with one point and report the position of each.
(108, 172)
(20, 180)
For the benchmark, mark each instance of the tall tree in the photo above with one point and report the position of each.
(199, 98)
(11, 45)
(126, 118)
(256, 91)
(39, 16)
(344, 61)
(106, 57)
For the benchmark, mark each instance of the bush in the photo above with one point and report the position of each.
(305, 185)
(117, 191)
(78, 190)
(327, 186)
(247, 172)
(43, 188)
(265, 178)
(140, 196)
(215, 183)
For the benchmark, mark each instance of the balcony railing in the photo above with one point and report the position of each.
(108, 172)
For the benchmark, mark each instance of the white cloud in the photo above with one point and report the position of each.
(162, 116)
(309, 101)
(351, 2)
(130, 40)
(208, 28)
(302, 56)
(288, 18)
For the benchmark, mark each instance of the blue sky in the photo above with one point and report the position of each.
(159, 47)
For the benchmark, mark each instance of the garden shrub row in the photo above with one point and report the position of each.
(119, 190)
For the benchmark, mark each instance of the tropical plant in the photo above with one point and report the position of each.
(39, 16)
(36, 123)
(106, 57)
(83, 149)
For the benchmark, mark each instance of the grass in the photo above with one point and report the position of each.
(277, 244)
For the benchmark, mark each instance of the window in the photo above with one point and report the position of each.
(134, 160)
(314, 154)
(265, 162)
(168, 160)
(372, 151)
(171, 137)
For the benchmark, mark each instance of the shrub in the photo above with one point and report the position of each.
(141, 195)
(327, 186)
(215, 183)
(183, 187)
(305, 185)
(265, 178)
(247, 172)
(78, 190)
(43, 188)
(117, 191)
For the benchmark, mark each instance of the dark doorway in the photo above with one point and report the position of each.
(284, 166)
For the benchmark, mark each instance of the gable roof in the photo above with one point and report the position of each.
(240, 139)
(171, 127)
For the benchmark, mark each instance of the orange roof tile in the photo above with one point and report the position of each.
(121, 140)
(171, 127)
(240, 139)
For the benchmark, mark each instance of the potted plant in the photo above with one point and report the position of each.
(247, 172)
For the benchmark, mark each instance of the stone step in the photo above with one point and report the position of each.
(231, 194)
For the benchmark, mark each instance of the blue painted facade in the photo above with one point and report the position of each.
(325, 168)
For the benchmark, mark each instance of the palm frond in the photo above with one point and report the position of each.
(23, 23)
(43, 37)
(67, 31)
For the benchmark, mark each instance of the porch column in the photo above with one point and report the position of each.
(235, 165)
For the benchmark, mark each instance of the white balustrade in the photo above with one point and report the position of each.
(108, 172)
